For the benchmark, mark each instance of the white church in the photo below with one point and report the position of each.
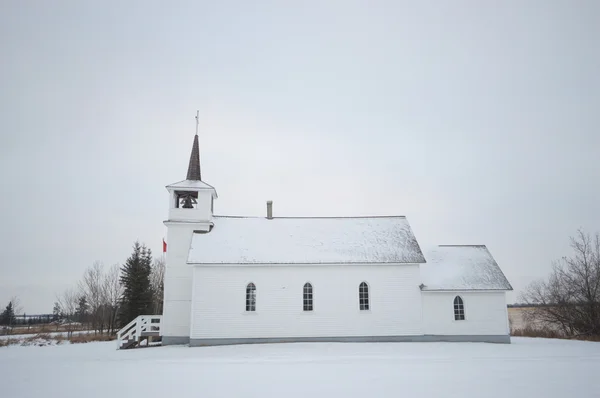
(234, 280)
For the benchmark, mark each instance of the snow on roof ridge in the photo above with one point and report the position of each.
(461, 245)
(308, 217)
(193, 181)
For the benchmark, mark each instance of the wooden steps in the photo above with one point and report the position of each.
(143, 331)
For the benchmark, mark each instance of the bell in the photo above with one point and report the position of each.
(187, 202)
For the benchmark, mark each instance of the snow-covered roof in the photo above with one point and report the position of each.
(451, 267)
(190, 184)
(289, 240)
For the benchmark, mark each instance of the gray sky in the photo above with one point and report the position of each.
(478, 120)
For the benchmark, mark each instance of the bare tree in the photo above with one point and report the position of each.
(16, 304)
(112, 292)
(68, 302)
(570, 299)
(157, 284)
(92, 288)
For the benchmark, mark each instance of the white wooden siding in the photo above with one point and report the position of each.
(485, 313)
(218, 308)
(202, 212)
(176, 318)
(178, 281)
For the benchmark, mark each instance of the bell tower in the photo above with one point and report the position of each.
(190, 210)
(191, 200)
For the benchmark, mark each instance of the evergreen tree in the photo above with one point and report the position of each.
(7, 317)
(135, 277)
(82, 309)
(56, 311)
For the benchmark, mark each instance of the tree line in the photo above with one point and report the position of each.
(105, 300)
(568, 300)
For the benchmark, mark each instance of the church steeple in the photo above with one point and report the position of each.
(194, 166)
(192, 199)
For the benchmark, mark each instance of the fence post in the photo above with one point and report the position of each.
(138, 328)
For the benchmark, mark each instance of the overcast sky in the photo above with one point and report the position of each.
(478, 120)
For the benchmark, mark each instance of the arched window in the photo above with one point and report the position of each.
(459, 309)
(250, 297)
(307, 293)
(363, 296)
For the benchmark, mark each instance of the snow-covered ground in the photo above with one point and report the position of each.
(527, 368)
(52, 334)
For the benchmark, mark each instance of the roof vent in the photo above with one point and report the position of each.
(269, 209)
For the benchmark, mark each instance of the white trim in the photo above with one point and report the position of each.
(206, 223)
(192, 303)
(458, 291)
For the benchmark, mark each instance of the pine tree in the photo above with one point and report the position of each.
(135, 277)
(82, 310)
(56, 311)
(7, 317)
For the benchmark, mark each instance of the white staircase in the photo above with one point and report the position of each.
(139, 332)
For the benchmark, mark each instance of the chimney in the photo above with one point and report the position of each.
(269, 209)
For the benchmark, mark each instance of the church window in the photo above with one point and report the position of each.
(308, 297)
(251, 297)
(459, 309)
(363, 296)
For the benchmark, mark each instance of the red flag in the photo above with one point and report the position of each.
(164, 246)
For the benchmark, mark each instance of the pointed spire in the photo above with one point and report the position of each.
(194, 166)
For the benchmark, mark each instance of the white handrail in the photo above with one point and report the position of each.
(121, 333)
(135, 329)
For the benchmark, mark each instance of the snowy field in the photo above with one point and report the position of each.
(51, 334)
(527, 368)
